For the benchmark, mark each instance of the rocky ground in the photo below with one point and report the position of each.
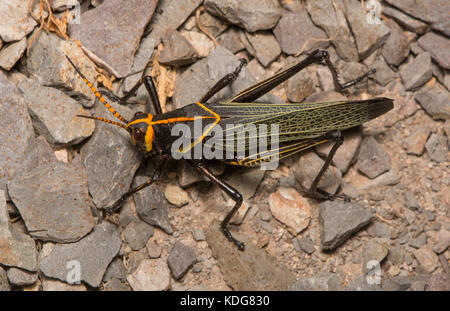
(59, 172)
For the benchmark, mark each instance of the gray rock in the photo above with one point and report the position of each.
(54, 202)
(395, 255)
(212, 24)
(171, 15)
(419, 241)
(364, 283)
(252, 269)
(443, 241)
(299, 87)
(334, 23)
(58, 122)
(427, 258)
(405, 20)
(416, 49)
(339, 220)
(4, 284)
(384, 74)
(110, 159)
(368, 36)
(176, 195)
(410, 201)
(153, 249)
(116, 270)
(137, 233)
(306, 245)
(151, 205)
(201, 76)
(325, 281)
(56, 285)
(198, 235)
(47, 63)
(374, 251)
(116, 285)
(435, 102)
(127, 213)
(307, 168)
(20, 277)
(380, 230)
(180, 259)
(345, 155)
(250, 15)
(230, 40)
(15, 119)
(122, 42)
(417, 73)
(135, 259)
(432, 12)
(373, 160)
(262, 45)
(62, 5)
(438, 46)
(15, 20)
(295, 29)
(437, 148)
(246, 180)
(396, 47)
(17, 249)
(10, 54)
(91, 255)
(352, 70)
(177, 50)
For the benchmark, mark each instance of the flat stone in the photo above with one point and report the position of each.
(435, 102)
(202, 44)
(250, 15)
(122, 24)
(433, 12)
(307, 168)
(213, 25)
(352, 70)
(116, 285)
(47, 64)
(437, 148)
(4, 284)
(364, 184)
(91, 255)
(419, 241)
(294, 29)
(246, 180)
(415, 142)
(20, 277)
(345, 155)
(396, 255)
(380, 230)
(438, 46)
(325, 281)
(151, 275)
(417, 73)
(177, 50)
(396, 47)
(411, 201)
(52, 285)
(153, 249)
(17, 135)
(137, 233)
(198, 235)
(201, 76)
(116, 270)
(16, 249)
(15, 20)
(58, 122)
(339, 220)
(230, 40)
(261, 45)
(299, 87)
(151, 205)
(368, 36)
(443, 241)
(291, 209)
(439, 282)
(181, 258)
(54, 202)
(384, 74)
(135, 259)
(176, 195)
(374, 251)
(252, 269)
(373, 160)
(427, 258)
(10, 54)
(334, 23)
(171, 15)
(306, 245)
(110, 159)
(405, 20)
(443, 27)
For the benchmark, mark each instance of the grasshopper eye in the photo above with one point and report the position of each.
(138, 135)
(138, 113)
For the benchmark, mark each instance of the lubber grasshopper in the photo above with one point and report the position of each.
(300, 126)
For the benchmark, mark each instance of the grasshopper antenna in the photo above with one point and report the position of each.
(99, 96)
(105, 120)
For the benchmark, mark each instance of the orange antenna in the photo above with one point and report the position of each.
(105, 120)
(99, 96)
